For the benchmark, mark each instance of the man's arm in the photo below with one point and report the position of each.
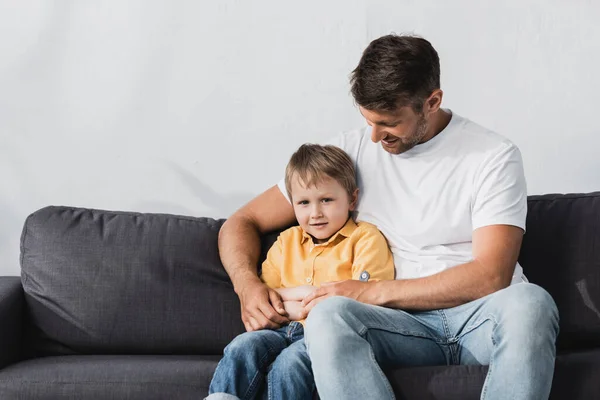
(495, 253)
(239, 248)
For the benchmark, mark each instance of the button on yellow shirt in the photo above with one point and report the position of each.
(294, 260)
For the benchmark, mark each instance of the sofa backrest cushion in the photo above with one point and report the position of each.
(561, 253)
(118, 282)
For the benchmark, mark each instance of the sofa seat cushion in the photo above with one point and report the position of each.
(109, 377)
(576, 376)
(187, 377)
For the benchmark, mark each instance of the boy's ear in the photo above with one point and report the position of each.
(353, 200)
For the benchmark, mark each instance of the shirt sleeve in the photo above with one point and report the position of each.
(500, 196)
(271, 267)
(372, 254)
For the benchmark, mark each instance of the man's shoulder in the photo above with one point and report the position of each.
(477, 137)
(351, 140)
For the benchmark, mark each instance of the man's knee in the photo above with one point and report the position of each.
(532, 300)
(527, 307)
(325, 314)
(328, 321)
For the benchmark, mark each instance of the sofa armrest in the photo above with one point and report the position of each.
(12, 305)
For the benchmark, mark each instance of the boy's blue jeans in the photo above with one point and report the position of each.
(269, 364)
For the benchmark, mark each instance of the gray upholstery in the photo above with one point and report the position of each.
(109, 377)
(138, 306)
(99, 282)
(11, 319)
(187, 377)
(561, 253)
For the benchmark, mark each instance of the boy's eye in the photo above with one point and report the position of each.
(303, 202)
(326, 200)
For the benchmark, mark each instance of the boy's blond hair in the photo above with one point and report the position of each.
(313, 163)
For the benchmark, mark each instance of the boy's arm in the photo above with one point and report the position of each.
(271, 267)
(373, 259)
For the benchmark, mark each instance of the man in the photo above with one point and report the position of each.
(450, 197)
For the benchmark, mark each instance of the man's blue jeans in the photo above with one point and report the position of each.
(275, 357)
(513, 331)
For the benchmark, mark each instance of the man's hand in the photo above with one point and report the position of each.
(357, 290)
(262, 307)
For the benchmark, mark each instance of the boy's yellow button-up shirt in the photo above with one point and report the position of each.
(294, 260)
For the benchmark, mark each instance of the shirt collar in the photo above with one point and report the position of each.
(346, 231)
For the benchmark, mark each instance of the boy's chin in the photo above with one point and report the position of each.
(320, 237)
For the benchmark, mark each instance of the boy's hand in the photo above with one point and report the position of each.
(304, 290)
(295, 310)
(353, 289)
(261, 307)
(296, 293)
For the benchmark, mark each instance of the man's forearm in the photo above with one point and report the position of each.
(495, 254)
(239, 248)
(449, 288)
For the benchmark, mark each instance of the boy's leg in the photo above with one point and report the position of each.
(241, 372)
(514, 332)
(348, 340)
(290, 376)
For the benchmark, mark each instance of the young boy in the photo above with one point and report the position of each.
(327, 246)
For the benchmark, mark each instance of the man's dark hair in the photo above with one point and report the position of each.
(395, 71)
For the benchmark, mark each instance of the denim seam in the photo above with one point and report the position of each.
(449, 341)
(476, 325)
(403, 332)
(490, 367)
(388, 386)
(255, 379)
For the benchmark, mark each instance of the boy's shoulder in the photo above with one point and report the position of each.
(366, 227)
(293, 233)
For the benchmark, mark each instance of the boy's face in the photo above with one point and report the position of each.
(321, 210)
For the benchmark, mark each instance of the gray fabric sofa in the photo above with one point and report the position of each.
(118, 305)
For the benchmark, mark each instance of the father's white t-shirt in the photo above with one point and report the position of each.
(429, 200)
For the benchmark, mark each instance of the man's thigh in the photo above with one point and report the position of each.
(512, 314)
(398, 338)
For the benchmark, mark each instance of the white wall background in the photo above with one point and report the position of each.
(193, 107)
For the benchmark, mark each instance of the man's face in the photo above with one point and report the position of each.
(321, 210)
(398, 131)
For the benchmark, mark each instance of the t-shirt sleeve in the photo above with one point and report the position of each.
(337, 140)
(271, 267)
(500, 196)
(372, 254)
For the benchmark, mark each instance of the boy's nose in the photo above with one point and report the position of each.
(316, 212)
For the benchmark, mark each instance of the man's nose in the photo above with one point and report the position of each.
(376, 133)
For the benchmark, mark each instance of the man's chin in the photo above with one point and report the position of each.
(398, 149)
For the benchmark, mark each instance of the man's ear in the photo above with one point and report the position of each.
(353, 200)
(434, 101)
